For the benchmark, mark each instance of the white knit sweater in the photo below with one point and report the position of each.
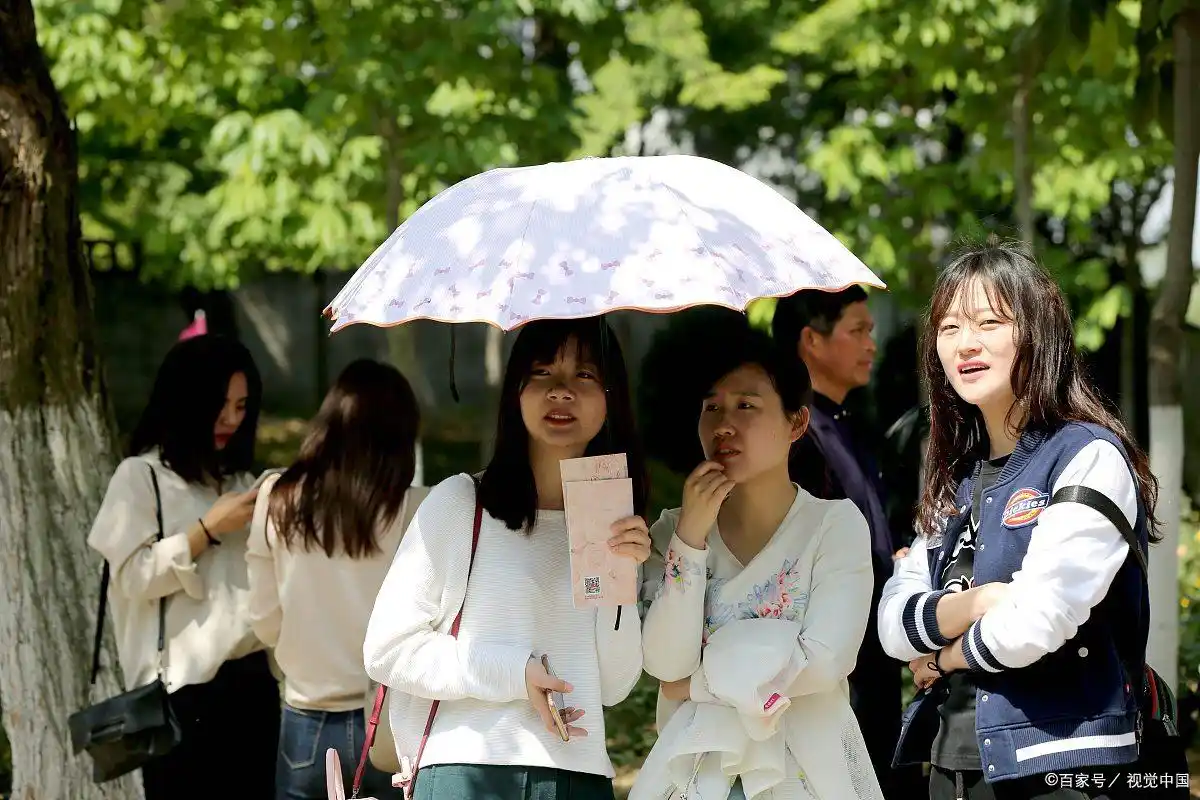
(518, 604)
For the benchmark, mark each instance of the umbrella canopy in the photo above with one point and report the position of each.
(581, 238)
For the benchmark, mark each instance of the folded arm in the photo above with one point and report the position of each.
(1074, 554)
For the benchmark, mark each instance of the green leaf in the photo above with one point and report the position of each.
(881, 256)
(1105, 42)
(814, 31)
(1169, 10)
(761, 312)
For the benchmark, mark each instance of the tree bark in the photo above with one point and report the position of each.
(493, 373)
(55, 433)
(1022, 120)
(1166, 347)
(402, 342)
(403, 346)
(1132, 366)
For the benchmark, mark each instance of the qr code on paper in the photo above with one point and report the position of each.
(591, 586)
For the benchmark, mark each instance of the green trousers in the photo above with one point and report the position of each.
(489, 782)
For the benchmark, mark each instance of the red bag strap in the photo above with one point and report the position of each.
(381, 692)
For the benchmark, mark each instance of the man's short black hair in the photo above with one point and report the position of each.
(811, 308)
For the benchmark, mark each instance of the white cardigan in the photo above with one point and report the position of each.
(768, 648)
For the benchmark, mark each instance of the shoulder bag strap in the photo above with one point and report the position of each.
(162, 601)
(1098, 501)
(381, 692)
(105, 576)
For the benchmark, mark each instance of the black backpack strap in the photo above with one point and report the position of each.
(105, 577)
(1098, 501)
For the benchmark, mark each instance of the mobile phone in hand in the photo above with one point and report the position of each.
(556, 704)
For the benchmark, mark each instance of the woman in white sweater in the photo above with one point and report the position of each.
(193, 447)
(323, 536)
(565, 394)
(761, 594)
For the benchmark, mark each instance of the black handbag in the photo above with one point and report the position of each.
(123, 733)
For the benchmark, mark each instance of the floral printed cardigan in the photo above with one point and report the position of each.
(768, 647)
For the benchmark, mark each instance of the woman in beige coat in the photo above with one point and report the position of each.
(323, 537)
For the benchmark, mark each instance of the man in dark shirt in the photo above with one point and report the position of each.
(833, 333)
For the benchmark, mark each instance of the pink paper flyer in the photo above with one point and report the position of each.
(597, 492)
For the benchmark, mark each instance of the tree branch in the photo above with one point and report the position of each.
(1170, 308)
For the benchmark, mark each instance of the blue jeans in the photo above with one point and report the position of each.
(304, 736)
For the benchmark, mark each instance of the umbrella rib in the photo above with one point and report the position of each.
(525, 232)
(683, 211)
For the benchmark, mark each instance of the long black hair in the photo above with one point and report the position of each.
(1047, 374)
(188, 395)
(355, 465)
(507, 488)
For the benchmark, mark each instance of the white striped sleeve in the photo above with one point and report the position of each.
(1074, 555)
(907, 619)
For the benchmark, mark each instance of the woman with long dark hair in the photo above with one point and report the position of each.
(1022, 609)
(565, 395)
(323, 537)
(189, 458)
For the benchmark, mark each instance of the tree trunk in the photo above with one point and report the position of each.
(1022, 118)
(1132, 374)
(493, 372)
(55, 433)
(402, 339)
(1166, 337)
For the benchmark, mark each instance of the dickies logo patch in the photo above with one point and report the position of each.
(1023, 507)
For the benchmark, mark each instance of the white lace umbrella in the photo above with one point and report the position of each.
(581, 238)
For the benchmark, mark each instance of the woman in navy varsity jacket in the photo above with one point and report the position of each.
(1021, 617)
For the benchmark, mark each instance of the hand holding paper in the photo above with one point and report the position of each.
(597, 492)
(631, 539)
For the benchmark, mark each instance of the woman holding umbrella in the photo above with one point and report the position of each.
(514, 248)
(496, 548)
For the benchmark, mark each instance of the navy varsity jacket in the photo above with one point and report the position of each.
(1053, 660)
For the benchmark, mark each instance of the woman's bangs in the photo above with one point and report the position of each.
(958, 284)
(946, 295)
(553, 342)
(999, 296)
